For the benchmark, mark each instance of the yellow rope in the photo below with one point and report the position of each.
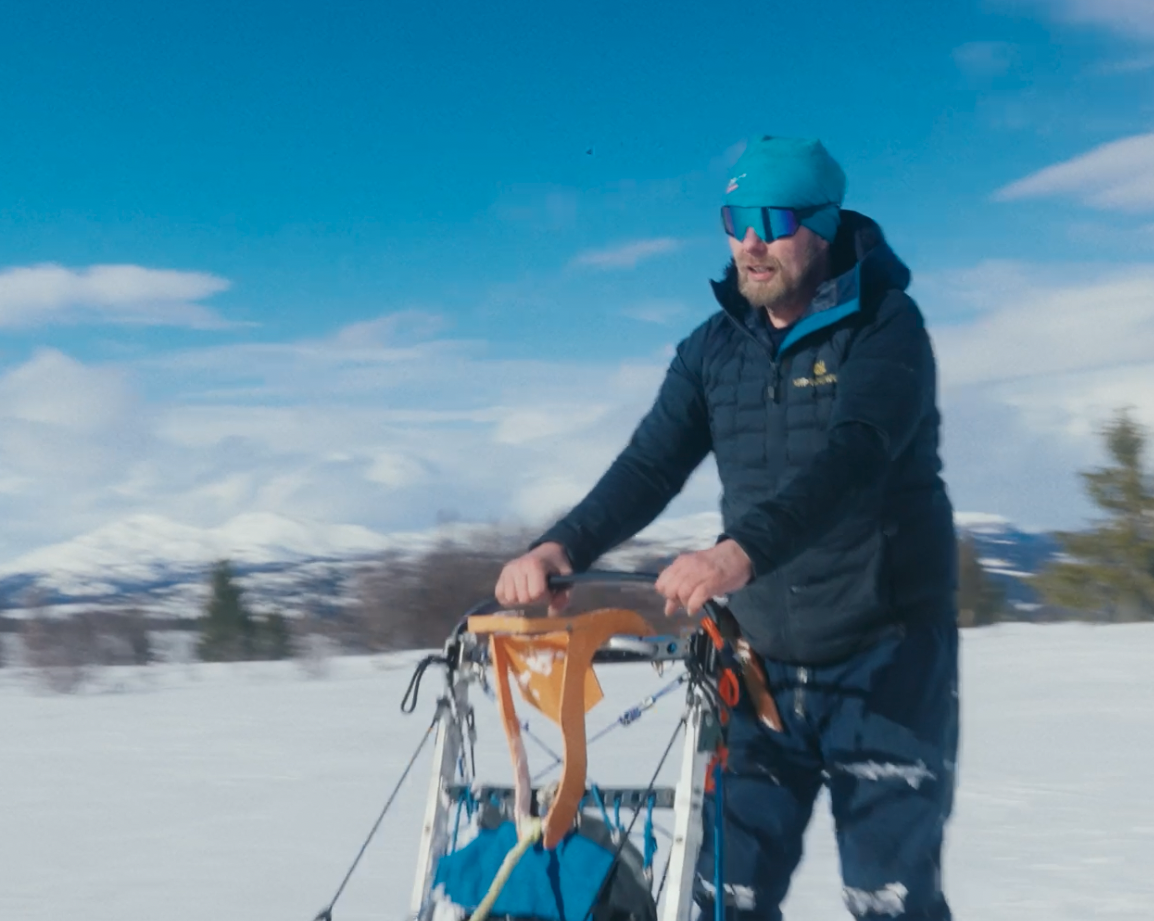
(527, 837)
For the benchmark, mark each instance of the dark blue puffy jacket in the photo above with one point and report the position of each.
(827, 453)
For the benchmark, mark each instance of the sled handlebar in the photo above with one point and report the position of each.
(559, 582)
(609, 576)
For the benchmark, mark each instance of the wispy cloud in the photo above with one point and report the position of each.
(1029, 324)
(985, 59)
(1127, 65)
(1040, 363)
(1131, 18)
(1118, 176)
(626, 255)
(659, 311)
(382, 424)
(125, 294)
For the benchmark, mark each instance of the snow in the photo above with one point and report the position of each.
(145, 540)
(983, 522)
(187, 792)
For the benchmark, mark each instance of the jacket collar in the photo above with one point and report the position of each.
(863, 265)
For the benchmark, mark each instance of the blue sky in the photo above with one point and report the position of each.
(372, 262)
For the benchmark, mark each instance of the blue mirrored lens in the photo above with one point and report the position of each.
(768, 223)
(782, 223)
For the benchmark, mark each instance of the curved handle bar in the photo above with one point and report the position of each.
(558, 582)
(600, 576)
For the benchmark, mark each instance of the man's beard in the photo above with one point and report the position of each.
(784, 292)
(779, 291)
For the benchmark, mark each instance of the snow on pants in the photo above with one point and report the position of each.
(880, 730)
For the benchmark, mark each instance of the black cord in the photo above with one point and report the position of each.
(327, 913)
(414, 687)
(603, 889)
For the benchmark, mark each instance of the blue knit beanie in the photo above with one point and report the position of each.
(790, 173)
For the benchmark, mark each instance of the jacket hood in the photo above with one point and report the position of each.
(862, 266)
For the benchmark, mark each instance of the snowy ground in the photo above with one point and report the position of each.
(243, 792)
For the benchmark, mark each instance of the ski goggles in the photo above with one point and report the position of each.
(768, 223)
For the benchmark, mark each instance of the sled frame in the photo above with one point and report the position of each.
(698, 744)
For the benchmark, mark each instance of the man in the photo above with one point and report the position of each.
(814, 386)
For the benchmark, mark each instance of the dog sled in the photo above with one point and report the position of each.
(569, 849)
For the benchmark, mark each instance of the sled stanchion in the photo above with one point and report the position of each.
(696, 752)
(446, 753)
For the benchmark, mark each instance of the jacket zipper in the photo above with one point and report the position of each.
(799, 692)
(773, 391)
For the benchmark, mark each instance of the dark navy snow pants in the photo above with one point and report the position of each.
(881, 732)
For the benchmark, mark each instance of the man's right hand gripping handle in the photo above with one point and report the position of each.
(524, 581)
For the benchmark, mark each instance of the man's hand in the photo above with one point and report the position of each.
(693, 578)
(523, 581)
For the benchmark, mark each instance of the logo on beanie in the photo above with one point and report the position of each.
(733, 183)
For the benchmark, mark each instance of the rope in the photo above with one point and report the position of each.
(527, 837)
(601, 805)
(627, 718)
(650, 838)
(527, 730)
(719, 844)
(601, 891)
(664, 876)
(327, 913)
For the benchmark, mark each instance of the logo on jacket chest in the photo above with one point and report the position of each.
(820, 377)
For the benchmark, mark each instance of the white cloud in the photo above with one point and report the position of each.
(1127, 65)
(1038, 322)
(129, 294)
(626, 255)
(386, 424)
(658, 311)
(375, 425)
(68, 432)
(1129, 18)
(54, 390)
(1118, 176)
(985, 59)
(1046, 356)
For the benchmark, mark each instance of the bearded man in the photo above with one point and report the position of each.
(814, 387)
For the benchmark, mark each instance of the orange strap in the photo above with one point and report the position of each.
(552, 661)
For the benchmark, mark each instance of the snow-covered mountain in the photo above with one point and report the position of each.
(158, 562)
(161, 564)
(1010, 555)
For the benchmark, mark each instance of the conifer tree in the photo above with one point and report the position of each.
(980, 600)
(227, 629)
(1110, 568)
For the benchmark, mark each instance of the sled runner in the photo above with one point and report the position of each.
(566, 851)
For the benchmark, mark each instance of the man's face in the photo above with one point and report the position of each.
(782, 273)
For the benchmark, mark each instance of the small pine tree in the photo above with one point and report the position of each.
(1111, 567)
(980, 601)
(276, 639)
(227, 631)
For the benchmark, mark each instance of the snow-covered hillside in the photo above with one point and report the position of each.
(161, 564)
(244, 791)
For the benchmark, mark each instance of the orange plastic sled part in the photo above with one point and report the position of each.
(552, 660)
